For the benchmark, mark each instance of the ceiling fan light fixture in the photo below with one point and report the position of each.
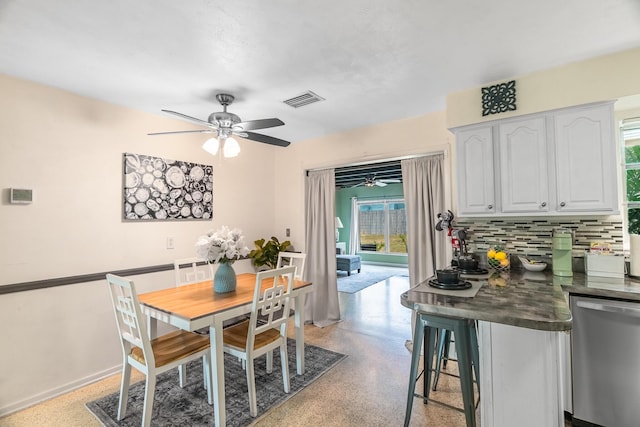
(211, 146)
(231, 148)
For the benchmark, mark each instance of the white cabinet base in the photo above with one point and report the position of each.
(519, 377)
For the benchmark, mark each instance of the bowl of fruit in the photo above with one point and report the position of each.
(498, 258)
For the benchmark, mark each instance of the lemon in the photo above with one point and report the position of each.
(500, 256)
(504, 262)
(491, 253)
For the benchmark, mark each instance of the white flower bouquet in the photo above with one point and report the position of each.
(222, 246)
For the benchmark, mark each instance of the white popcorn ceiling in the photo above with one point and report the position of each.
(373, 61)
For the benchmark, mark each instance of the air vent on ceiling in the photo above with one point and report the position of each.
(305, 99)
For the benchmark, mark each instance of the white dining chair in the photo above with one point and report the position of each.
(188, 271)
(251, 339)
(191, 270)
(296, 259)
(151, 357)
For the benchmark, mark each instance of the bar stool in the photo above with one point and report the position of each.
(426, 327)
(444, 341)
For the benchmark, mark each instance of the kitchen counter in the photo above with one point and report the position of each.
(533, 300)
(521, 302)
(604, 287)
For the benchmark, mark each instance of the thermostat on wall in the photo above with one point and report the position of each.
(20, 195)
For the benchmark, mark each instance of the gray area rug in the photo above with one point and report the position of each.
(358, 281)
(175, 406)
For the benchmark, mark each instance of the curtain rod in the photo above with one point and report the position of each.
(442, 152)
(378, 197)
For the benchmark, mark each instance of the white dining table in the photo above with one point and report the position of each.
(195, 306)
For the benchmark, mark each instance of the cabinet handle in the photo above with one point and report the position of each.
(490, 206)
(543, 204)
(562, 204)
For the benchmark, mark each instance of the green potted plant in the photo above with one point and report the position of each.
(265, 254)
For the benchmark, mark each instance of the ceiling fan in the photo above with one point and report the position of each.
(371, 181)
(226, 124)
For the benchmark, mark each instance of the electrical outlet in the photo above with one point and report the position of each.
(170, 243)
(288, 232)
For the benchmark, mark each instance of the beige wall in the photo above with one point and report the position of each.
(68, 149)
(398, 139)
(600, 79)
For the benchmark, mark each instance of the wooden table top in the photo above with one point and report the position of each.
(199, 299)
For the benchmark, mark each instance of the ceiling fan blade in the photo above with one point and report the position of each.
(380, 184)
(191, 119)
(390, 181)
(258, 124)
(183, 131)
(267, 139)
(357, 185)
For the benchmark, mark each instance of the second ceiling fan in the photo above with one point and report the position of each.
(225, 124)
(371, 181)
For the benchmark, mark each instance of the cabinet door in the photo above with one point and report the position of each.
(585, 152)
(523, 166)
(474, 150)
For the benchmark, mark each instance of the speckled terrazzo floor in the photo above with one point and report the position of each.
(367, 388)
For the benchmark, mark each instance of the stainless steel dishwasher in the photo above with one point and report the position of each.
(605, 347)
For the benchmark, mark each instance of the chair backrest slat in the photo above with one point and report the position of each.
(271, 301)
(191, 270)
(129, 319)
(296, 259)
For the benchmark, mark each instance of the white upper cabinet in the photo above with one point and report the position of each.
(524, 177)
(586, 160)
(475, 171)
(554, 163)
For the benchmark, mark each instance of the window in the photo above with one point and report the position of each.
(631, 141)
(382, 226)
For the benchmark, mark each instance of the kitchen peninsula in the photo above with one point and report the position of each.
(520, 332)
(524, 345)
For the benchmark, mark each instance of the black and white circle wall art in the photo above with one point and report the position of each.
(164, 189)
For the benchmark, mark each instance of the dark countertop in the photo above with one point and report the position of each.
(604, 287)
(529, 300)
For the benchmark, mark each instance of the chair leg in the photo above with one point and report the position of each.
(447, 344)
(251, 385)
(149, 391)
(418, 332)
(444, 338)
(182, 375)
(124, 389)
(475, 352)
(284, 363)
(270, 362)
(206, 370)
(429, 353)
(463, 349)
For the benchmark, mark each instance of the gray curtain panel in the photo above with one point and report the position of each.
(423, 185)
(322, 307)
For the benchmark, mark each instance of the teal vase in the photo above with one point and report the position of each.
(225, 278)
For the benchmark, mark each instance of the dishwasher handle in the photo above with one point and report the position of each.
(611, 308)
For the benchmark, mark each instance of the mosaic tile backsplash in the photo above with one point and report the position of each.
(532, 237)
